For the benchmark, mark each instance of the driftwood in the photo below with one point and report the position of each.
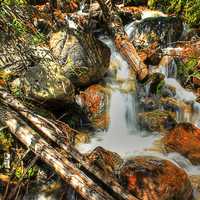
(125, 47)
(86, 187)
(51, 131)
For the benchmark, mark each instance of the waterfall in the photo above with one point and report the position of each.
(122, 135)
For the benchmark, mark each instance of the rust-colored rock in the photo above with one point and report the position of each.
(95, 102)
(151, 178)
(185, 139)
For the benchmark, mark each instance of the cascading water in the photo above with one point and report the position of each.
(122, 135)
(169, 69)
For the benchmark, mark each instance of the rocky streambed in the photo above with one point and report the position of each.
(145, 134)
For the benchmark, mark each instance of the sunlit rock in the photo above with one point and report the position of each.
(95, 101)
(85, 59)
(157, 120)
(151, 178)
(45, 82)
(158, 30)
(104, 162)
(185, 139)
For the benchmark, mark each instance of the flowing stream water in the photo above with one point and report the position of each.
(123, 136)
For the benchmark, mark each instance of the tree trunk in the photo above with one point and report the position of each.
(67, 170)
(125, 47)
(51, 131)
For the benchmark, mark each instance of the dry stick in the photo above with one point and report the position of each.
(68, 171)
(71, 151)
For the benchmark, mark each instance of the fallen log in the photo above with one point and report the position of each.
(67, 170)
(51, 131)
(125, 47)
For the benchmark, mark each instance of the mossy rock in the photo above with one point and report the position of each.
(186, 69)
(156, 31)
(157, 120)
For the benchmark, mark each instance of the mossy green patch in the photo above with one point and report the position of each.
(190, 10)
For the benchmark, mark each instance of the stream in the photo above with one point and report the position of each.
(123, 135)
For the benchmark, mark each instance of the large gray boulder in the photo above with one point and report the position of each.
(45, 82)
(85, 59)
(159, 31)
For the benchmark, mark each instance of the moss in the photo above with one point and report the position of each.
(6, 140)
(190, 10)
(186, 69)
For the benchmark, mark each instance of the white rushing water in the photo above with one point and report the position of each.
(122, 135)
(169, 68)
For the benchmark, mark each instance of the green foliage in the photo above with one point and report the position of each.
(19, 172)
(159, 87)
(192, 12)
(18, 27)
(75, 72)
(32, 172)
(187, 69)
(37, 38)
(6, 140)
(190, 9)
(13, 2)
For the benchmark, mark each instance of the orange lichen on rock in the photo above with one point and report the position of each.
(185, 139)
(95, 102)
(152, 178)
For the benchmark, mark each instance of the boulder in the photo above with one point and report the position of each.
(149, 104)
(156, 30)
(151, 178)
(104, 161)
(184, 139)
(95, 102)
(85, 59)
(175, 105)
(45, 82)
(156, 120)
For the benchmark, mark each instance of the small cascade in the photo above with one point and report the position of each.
(168, 67)
(122, 135)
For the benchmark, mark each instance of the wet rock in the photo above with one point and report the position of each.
(156, 30)
(149, 104)
(167, 91)
(95, 101)
(85, 59)
(104, 161)
(45, 82)
(151, 178)
(174, 105)
(157, 120)
(167, 64)
(184, 139)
